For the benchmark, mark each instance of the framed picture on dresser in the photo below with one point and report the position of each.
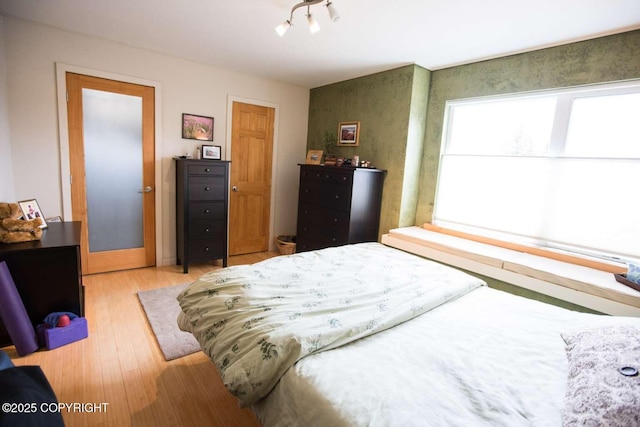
(31, 210)
(212, 152)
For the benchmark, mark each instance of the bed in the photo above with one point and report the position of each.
(368, 335)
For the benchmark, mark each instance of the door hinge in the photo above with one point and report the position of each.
(70, 179)
(67, 95)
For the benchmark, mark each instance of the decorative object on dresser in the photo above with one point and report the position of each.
(212, 152)
(14, 229)
(338, 206)
(202, 200)
(314, 157)
(46, 273)
(31, 210)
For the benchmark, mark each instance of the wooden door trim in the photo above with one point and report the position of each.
(63, 134)
(274, 156)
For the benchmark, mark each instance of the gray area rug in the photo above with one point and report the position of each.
(162, 309)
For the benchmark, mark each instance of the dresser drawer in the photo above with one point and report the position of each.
(207, 169)
(315, 217)
(206, 211)
(327, 176)
(207, 188)
(199, 230)
(206, 249)
(319, 241)
(333, 196)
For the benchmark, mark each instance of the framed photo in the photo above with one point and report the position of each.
(54, 219)
(349, 134)
(314, 157)
(212, 152)
(31, 210)
(197, 127)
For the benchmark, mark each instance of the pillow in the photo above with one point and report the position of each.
(603, 386)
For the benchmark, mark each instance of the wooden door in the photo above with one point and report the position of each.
(251, 163)
(112, 178)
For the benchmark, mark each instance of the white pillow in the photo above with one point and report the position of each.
(598, 393)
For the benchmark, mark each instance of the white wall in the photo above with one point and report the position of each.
(6, 170)
(32, 51)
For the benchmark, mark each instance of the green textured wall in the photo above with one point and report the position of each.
(402, 111)
(604, 59)
(391, 109)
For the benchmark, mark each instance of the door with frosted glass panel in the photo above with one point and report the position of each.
(111, 146)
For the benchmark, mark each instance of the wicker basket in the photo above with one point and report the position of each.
(286, 244)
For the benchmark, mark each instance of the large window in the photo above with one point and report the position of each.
(558, 169)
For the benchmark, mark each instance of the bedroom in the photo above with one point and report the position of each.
(30, 50)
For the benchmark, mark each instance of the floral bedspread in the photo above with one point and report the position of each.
(255, 321)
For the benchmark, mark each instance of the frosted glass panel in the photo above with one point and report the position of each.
(113, 163)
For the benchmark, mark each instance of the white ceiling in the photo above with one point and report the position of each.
(370, 36)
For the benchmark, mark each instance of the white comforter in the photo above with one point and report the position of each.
(257, 321)
(486, 359)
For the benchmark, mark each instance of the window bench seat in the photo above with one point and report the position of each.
(584, 286)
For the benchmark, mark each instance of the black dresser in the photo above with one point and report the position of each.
(337, 206)
(46, 273)
(202, 200)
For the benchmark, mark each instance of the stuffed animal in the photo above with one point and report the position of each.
(13, 229)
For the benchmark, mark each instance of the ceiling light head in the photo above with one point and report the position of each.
(314, 27)
(282, 28)
(333, 12)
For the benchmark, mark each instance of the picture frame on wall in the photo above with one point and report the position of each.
(197, 127)
(211, 152)
(31, 210)
(349, 134)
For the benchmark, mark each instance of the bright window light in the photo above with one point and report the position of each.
(558, 169)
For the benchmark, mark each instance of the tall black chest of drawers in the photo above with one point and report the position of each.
(202, 200)
(337, 206)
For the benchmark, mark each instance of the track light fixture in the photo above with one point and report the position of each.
(314, 27)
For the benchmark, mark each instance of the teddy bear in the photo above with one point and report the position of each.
(13, 229)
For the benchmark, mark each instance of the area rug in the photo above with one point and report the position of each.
(162, 309)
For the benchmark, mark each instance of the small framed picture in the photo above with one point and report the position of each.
(197, 127)
(54, 219)
(212, 152)
(31, 210)
(349, 134)
(314, 157)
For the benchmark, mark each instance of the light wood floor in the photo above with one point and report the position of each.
(121, 364)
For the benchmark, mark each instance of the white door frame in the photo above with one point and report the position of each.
(274, 158)
(63, 133)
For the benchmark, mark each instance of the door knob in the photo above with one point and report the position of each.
(234, 188)
(145, 190)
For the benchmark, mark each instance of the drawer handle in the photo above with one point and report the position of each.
(207, 188)
(207, 211)
(337, 196)
(206, 230)
(335, 219)
(206, 249)
(333, 239)
(207, 170)
(344, 178)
